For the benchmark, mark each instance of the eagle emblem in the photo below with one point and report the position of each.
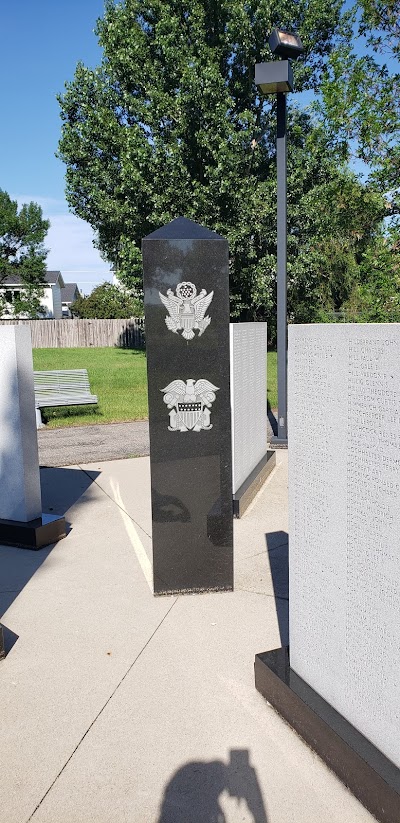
(189, 404)
(186, 309)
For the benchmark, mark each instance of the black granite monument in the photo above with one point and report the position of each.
(186, 296)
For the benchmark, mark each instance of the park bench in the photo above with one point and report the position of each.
(61, 388)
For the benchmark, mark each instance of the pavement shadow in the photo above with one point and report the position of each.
(204, 791)
(61, 489)
(278, 553)
(272, 420)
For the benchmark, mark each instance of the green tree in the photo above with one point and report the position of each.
(107, 301)
(376, 296)
(380, 23)
(337, 219)
(171, 123)
(360, 109)
(360, 103)
(22, 253)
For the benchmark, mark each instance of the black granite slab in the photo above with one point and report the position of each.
(190, 442)
(253, 483)
(370, 776)
(35, 534)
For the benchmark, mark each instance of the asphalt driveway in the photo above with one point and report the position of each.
(73, 445)
(87, 444)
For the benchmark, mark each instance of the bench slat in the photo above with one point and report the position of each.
(67, 401)
(60, 372)
(63, 388)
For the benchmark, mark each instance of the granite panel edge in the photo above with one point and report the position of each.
(248, 490)
(275, 681)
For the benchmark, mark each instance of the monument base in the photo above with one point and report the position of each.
(371, 777)
(35, 534)
(248, 490)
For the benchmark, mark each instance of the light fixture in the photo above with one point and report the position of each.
(273, 77)
(285, 44)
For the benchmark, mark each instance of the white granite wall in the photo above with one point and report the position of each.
(344, 512)
(20, 497)
(248, 343)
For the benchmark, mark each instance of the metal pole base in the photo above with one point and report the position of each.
(279, 442)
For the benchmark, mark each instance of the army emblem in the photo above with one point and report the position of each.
(186, 309)
(189, 404)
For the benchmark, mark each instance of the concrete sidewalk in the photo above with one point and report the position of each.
(118, 707)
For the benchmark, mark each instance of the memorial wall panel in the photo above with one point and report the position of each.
(249, 398)
(344, 505)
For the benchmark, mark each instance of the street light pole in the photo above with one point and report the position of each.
(281, 313)
(277, 78)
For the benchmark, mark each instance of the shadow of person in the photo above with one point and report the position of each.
(214, 792)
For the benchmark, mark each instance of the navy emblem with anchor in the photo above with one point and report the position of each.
(189, 404)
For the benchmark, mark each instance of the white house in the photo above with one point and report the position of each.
(51, 300)
(69, 294)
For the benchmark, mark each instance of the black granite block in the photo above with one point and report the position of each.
(2, 647)
(186, 294)
(252, 485)
(370, 776)
(35, 534)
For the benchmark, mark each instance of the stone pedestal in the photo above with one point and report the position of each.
(21, 521)
(20, 497)
(341, 690)
(186, 294)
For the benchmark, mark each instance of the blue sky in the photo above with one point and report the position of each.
(41, 42)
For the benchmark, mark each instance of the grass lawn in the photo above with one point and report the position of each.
(118, 377)
(272, 379)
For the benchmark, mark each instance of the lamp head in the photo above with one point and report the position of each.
(285, 44)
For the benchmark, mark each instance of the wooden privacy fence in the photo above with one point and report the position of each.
(73, 333)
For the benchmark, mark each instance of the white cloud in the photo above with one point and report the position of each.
(50, 205)
(70, 244)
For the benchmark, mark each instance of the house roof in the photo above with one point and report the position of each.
(69, 293)
(50, 279)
